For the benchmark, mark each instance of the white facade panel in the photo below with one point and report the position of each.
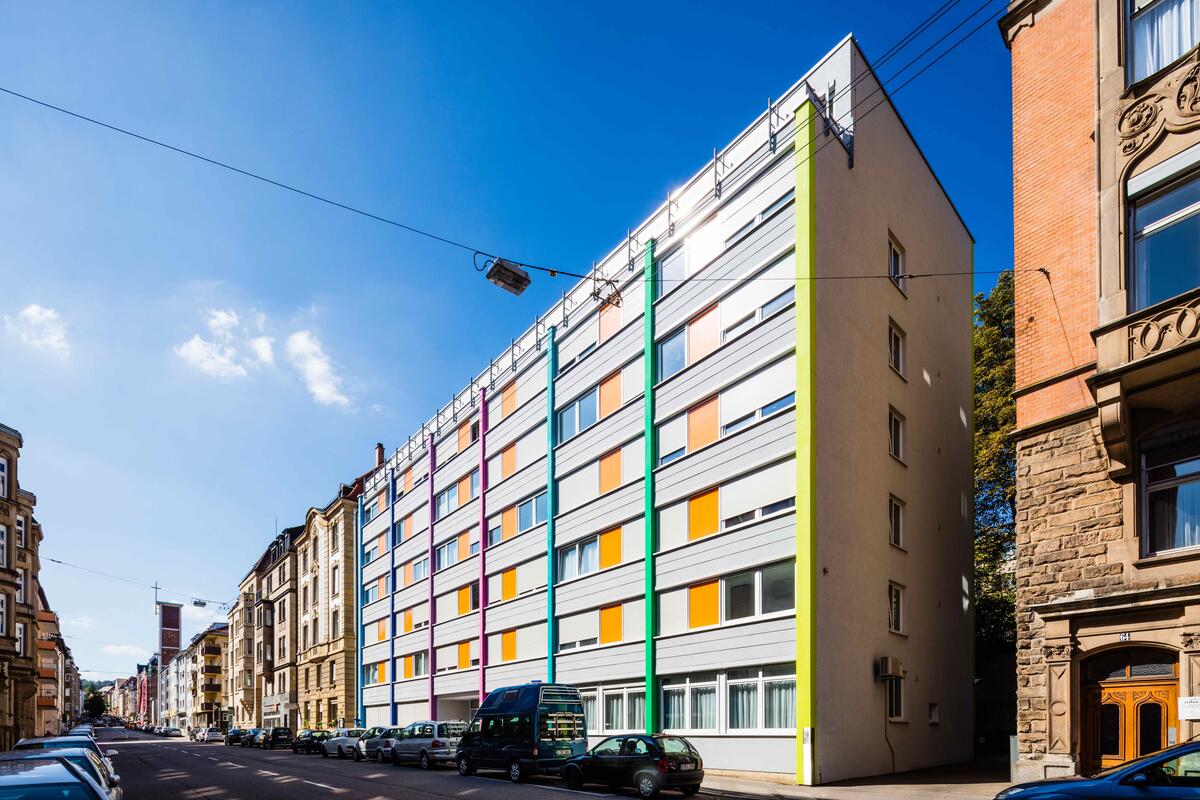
(754, 392)
(531, 641)
(672, 612)
(579, 487)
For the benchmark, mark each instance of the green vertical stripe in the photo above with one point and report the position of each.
(650, 519)
(806, 454)
(551, 503)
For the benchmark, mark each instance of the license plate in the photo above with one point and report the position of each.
(686, 767)
(563, 751)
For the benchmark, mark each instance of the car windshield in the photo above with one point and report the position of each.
(1104, 773)
(282, 731)
(52, 791)
(356, 732)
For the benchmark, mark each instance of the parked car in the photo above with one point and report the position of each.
(426, 743)
(42, 779)
(172, 732)
(234, 735)
(367, 745)
(84, 759)
(59, 742)
(341, 742)
(270, 738)
(1174, 773)
(524, 730)
(646, 763)
(309, 741)
(248, 737)
(209, 735)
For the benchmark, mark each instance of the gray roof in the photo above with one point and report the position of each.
(13, 432)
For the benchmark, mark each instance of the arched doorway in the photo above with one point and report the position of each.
(1130, 705)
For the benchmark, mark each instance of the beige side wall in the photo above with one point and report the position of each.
(891, 189)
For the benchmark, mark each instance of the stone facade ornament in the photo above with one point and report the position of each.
(1172, 105)
(1114, 428)
(1190, 640)
(1058, 652)
(1165, 330)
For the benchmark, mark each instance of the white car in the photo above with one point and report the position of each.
(210, 735)
(341, 743)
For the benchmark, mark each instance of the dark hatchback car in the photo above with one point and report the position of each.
(309, 741)
(270, 738)
(646, 763)
(234, 736)
(248, 737)
(1173, 773)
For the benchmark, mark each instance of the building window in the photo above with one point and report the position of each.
(690, 703)
(3, 546)
(896, 434)
(1170, 477)
(458, 495)
(579, 415)
(895, 348)
(335, 584)
(1166, 229)
(895, 699)
(895, 608)
(1160, 31)
(762, 699)
(3, 477)
(579, 558)
(895, 521)
(3, 615)
(21, 531)
(690, 343)
(896, 264)
(20, 638)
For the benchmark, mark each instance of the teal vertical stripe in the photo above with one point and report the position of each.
(551, 503)
(650, 519)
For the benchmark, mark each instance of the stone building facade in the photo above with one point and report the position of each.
(1106, 144)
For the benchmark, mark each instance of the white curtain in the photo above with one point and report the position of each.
(614, 712)
(743, 705)
(704, 708)
(1162, 33)
(780, 711)
(637, 711)
(673, 718)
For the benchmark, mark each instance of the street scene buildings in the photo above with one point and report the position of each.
(1106, 138)
(640, 496)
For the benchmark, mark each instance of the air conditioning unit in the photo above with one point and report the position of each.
(889, 667)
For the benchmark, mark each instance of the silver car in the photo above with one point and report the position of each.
(341, 742)
(426, 743)
(84, 760)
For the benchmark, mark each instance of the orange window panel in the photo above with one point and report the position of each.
(508, 461)
(406, 528)
(508, 399)
(382, 585)
(464, 490)
(611, 629)
(464, 545)
(408, 620)
(508, 584)
(408, 574)
(702, 514)
(703, 604)
(703, 334)
(408, 666)
(381, 630)
(508, 646)
(464, 436)
(508, 524)
(610, 548)
(610, 471)
(464, 600)
(702, 424)
(408, 480)
(464, 655)
(610, 320)
(610, 394)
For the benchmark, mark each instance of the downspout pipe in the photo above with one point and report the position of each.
(432, 659)
(551, 503)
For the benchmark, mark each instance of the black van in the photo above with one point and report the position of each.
(524, 730)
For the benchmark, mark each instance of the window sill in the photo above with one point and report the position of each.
(741, 526)
(1169, 557)
(592, 648)
(775, 615)
(899, 373)
(901, 634)
(899, 547)
(520, 596)
(899, 460)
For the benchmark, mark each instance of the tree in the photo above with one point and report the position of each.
(94, 705)
(995, 465)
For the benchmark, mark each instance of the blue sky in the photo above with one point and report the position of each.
(196, 355)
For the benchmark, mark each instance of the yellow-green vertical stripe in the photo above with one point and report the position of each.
(806, 125)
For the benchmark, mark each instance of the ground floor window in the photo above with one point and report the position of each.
(610, 709)
(895, 699)
(1170, 477)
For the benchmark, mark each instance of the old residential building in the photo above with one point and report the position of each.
(328, 654)
(191, 686)
(1106, 147)
(264, 691)
(722, 495)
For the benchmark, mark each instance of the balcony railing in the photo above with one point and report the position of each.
(211, 669)
(209, 688)
(211, 650)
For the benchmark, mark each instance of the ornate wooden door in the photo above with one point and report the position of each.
(1127, 719)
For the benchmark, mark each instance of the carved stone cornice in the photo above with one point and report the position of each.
(1171, 105)
(1190, 640)
(1165, 330)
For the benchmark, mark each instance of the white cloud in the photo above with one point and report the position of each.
(214, 360)
(222, 322)
(82, 621)
(261, 347)
(306, 355)
(131, 650)
(93, 675)
(40, 328)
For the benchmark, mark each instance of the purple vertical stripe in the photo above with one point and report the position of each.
(429, 577)
(483, 586)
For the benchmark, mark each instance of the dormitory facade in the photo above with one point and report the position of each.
(724, 486)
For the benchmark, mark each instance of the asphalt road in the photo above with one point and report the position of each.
(152, 767)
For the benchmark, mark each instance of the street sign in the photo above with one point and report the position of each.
(1189, 708)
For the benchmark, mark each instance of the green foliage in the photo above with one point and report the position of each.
(995, 464)
(94, 705)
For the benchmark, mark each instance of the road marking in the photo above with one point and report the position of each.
(210, 758)
(375, 775)
(266, 772)
(231, 764)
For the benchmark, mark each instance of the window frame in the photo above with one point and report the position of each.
(1134, 303)
(689, 684)
(1145, 486)
(1128, 14)
(573, 408)
(896, 521)
(759, 614)
(897, 349)
(897, 264)
(896, 434)
(897, 609)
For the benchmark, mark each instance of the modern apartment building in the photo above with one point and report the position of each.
(724, 486)
(1106, 143)
(191, 690)
(19, 538)
(265, 614)
(327, 664)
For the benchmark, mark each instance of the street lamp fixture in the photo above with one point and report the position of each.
(508, 276)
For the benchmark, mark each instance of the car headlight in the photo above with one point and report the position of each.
(1010, 792)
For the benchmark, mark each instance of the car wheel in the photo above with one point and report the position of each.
(424, 760)
(379, 756)
(395, 758)
(340, 753)
(572, 777)
(357, 755)
(516, 773)
(464, 766)
(647, 786)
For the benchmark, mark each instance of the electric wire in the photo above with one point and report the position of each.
(134, 582)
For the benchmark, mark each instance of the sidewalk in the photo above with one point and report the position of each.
(974, 781)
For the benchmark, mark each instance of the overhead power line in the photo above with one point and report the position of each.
(134, 582)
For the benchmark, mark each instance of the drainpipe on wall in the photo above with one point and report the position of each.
(551, 504)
